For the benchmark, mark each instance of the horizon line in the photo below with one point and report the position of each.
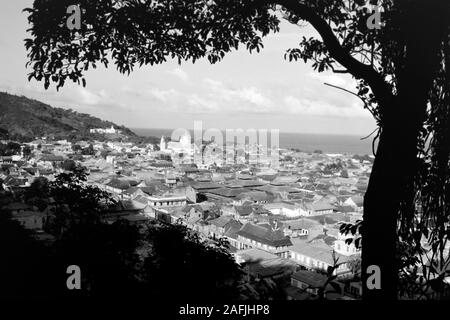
(288, 132)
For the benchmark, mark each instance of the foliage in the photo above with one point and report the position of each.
(75, 202)
(179, 258)
(401, 71)
(152, 261)
(344, 173)
(4, 134)
(9, 149)
(106, 254)
(27, 150)
(68, 165)
(38, 193)
(76, 147)
(23, 258)
(157, 32)
(88, 151)
(353, 229)
(335, 166)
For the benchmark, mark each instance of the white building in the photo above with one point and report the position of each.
(106, 130)
(181, 146)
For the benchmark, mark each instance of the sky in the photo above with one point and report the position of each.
(259, 90)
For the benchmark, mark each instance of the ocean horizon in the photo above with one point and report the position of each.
(307, 142)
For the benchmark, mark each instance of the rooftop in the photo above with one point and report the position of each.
(265, 235)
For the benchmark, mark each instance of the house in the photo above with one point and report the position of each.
(117, 186)
(133, 192)
(353, 289)
(283, 192)
(6, 159)
(257, 197)
(248, 184)
(284, 208)
(356, 202)
(231, 235)
(309, 282)
(268, 237)
(317, 255)
(111, 130)
(13, 182)
(318, 208)
(194, 189)
(160, 165)
(227, 195)
(51, 159)
(154, 187)
(347, 249)
(183, 145)
(167, 200)
(171, 180)
(302, 227)
(220, 225)
(260, 264)
(284, 180)
(242, 213)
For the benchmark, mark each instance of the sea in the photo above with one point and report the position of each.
(306, 142)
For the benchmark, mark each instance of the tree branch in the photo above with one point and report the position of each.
(358, 69)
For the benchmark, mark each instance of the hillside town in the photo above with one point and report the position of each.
(281, 224)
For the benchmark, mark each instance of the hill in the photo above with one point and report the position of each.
(23, 119)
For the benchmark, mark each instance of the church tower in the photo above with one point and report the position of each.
(162, 144)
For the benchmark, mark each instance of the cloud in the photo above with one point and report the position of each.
(253, 95)
(198, 104)
(247, 99)
(180, 74)
(296, 105)
(163, 95)
(90, 98)
(335, 79)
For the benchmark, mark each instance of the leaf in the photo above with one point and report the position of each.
(364, 91)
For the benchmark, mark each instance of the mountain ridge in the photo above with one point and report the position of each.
(25, 119)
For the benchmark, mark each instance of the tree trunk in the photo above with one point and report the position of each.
(395, 166)
(392, 171)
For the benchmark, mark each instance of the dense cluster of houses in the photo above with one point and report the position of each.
(280, 223)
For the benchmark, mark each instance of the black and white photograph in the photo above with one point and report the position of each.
(224, 156)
